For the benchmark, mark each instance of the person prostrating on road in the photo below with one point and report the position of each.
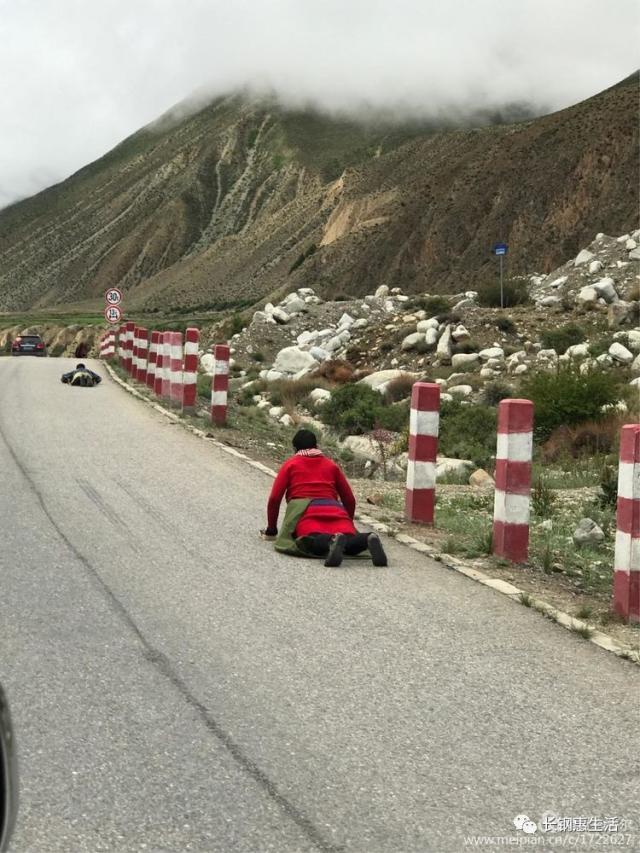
(320, 508)
(81, 376)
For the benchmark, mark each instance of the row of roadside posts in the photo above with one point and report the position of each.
(167, 363)
(169, 367)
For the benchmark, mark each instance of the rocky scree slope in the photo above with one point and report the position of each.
(243, 198)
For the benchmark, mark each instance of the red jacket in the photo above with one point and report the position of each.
(315, 476)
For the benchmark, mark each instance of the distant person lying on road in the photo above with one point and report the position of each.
(81, 376)
(320, 509)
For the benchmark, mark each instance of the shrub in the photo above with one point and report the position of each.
(542, 499)
(352, 409)
(568, 397)
(495, 391)
(468, 432)
(599, 347)
(394, 418)
(515, 293)
(257, 356)
(399, 388)
(505, 324)
(633, 294)
(433, 305)
(291, 392)
(562, 338)
(608, 496)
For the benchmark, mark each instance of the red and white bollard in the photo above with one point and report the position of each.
(153, 356)
(129, 347)
(108, 345)
(122, 335)
(190, 374)
(157, 383)
(136, 346)
(220, 384)
(143, 352)
(513, 480)
(626, 578)
(176, 368)
(166, 365)
(424, 420)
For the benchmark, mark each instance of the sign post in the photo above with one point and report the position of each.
(500, 250)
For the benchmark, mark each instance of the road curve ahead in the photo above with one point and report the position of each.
(177, 686)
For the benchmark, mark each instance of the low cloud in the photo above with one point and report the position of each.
(77, 77)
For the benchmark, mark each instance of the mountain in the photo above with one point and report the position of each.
(226, 204)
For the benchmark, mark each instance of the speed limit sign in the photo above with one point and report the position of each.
(112, 314)
(113, 296)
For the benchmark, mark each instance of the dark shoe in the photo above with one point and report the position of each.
(378, 556)
(336, 550)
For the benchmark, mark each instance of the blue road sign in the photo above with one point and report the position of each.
(500, 249)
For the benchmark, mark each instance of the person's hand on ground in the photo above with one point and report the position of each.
(269, 533)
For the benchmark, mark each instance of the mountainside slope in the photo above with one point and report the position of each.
(216, 208)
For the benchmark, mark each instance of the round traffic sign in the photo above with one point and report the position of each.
(112, 314)
(113, 296)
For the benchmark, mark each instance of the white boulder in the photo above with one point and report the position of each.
(411, 341)
(548, 301)
(346, 321)
(465, 359)
(447, 465)
(620, 353)
(583, 257)
(293, 359)
(558, 282)
(595, 266)
(606, 289)
(431, 337)
(587, 533)
(461, 390)
(319, 354)
(460, 334)
(424, 325)
(491, 352)
(319, 396)
(379, 380)
(382, 292)
(578, 351)
(634, 254)
(305, 338)
(587, 295)
(443, 350)
(280, 316)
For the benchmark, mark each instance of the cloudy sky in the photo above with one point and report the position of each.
(77, 76)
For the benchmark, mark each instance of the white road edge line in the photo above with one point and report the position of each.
(598, 638)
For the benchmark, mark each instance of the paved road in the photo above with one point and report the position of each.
(178, 686)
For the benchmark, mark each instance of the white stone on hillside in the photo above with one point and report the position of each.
(443, 350)
(604, 360)
(491, 352)
(280, 316)
(207, 362)
(306, 291)
(488, 373)
(464, 303)
(346, 321)
(326, 333)
(634, 340)
(333, 344)
(461, 390)
(622, 238)
(263, 404)
(630, 244)
(389, 306)
(595, 266)
(558, 282)
(547, 301)
(465, 359)
(274, 375)
(423, 325)
(305, 338)
(634, 254)
(362, 447)
(460, 334)
(276, 412)
(578, 351)
(319, 353)
(411, 341)
(292, 360)
(361, 323)
(431, 337)
(635, 382)
(295, 306)
(471, 294)
(312, 300)
(521, 368)
(583, 257)
(447, 465)
(319, 396)
(446, 398)
(382, 292)
(587, 294)
(606, 290)
(547, 355)
(587, 533)
(402, 298)
(286, 420)
(379, 380)
(620, 353)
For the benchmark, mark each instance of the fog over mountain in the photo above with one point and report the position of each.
(77, 77)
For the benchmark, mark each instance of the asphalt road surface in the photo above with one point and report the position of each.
(178, 686)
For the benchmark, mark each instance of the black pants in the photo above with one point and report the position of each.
(355, 543)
